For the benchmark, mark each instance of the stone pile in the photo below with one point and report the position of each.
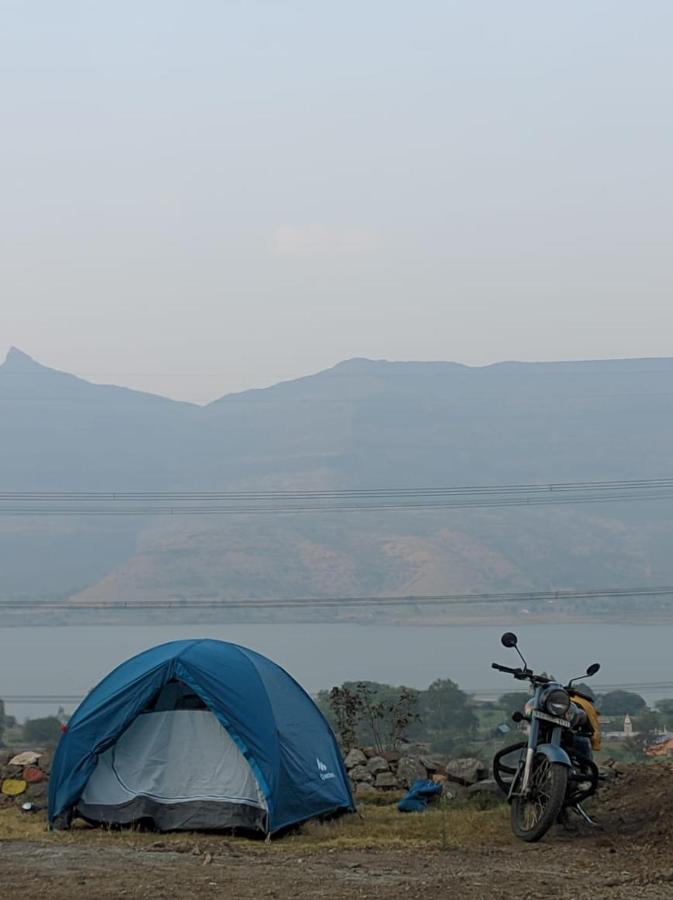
(24, 778)
(371, 771)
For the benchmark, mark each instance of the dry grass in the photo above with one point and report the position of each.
(375, 826)
(16, 825)
(384, 827)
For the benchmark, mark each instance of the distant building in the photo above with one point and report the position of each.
(626, 732)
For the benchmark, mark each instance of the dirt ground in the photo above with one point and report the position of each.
(461, 853)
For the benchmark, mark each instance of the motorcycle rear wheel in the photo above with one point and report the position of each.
(533, 816)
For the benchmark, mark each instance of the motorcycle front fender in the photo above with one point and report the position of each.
(554, 754)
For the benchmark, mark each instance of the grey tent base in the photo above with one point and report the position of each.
(184, 816)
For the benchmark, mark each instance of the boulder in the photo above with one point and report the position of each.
(466, 770)
(432, 765)
(355, 758)
(488, 786)
(386, 781)
(37, 793)
(361, 773)
(454, 792)
(439, 779)
(391, 756)
(33, 774)
(12, 787)
(377, 764)
(410, 769)
(27, 758)
(369, 752)
(363, 791)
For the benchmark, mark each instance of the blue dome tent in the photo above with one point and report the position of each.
(198, 734)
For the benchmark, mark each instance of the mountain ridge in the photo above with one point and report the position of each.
(17, 360)
(360, 424)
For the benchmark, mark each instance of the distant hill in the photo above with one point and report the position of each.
(361, 424)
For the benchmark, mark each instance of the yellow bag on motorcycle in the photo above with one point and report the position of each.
(592, 718)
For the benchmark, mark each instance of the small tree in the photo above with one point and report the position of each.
(621, 703)
(42, 732)
(372, 710)
(402, 713)
(367, 712)
(346, 707)
(645, 724)
(447, 714)
(665, 710)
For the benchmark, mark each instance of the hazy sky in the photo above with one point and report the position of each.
(207, 195)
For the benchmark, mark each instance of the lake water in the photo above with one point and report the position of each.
(58, 662)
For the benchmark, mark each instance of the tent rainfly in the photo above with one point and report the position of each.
(198, 734)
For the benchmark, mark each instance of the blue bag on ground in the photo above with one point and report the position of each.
(419, 794)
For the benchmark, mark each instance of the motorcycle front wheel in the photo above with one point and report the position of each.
(533, 815)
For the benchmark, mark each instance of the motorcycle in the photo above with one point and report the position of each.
(553, 771)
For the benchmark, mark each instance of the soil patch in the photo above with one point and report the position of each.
(468, 853)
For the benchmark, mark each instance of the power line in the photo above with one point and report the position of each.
(132, 511)
(42, 698)
(460, 490)
(642, 686)
(430, 600)
(227, 503)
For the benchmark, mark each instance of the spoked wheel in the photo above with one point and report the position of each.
(533, 815)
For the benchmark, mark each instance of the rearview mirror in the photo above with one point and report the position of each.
(593, 668)
(509, 639)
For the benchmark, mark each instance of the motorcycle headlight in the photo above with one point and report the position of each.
(557, 702)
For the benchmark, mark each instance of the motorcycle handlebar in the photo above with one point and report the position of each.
(510, 671)
(522, 674)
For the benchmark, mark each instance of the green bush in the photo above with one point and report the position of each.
(42, 732)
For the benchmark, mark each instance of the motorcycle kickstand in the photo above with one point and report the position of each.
(583, 814)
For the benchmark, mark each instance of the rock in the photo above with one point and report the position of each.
(466, 770)
(361, 773)
(488, 786)
(45, 761)
(607, 773)
(33, 774)
(5, 756)
(369, 752)
(363, 791)
(12, 787)
(386, 781)
(391, 756)
(355, 758)
(409, 769)
(430, 764)
(37, 792)
(377, 764)
(454, 792)
(439, 779)
(27, 758)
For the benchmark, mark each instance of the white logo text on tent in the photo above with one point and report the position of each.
(322, 768)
